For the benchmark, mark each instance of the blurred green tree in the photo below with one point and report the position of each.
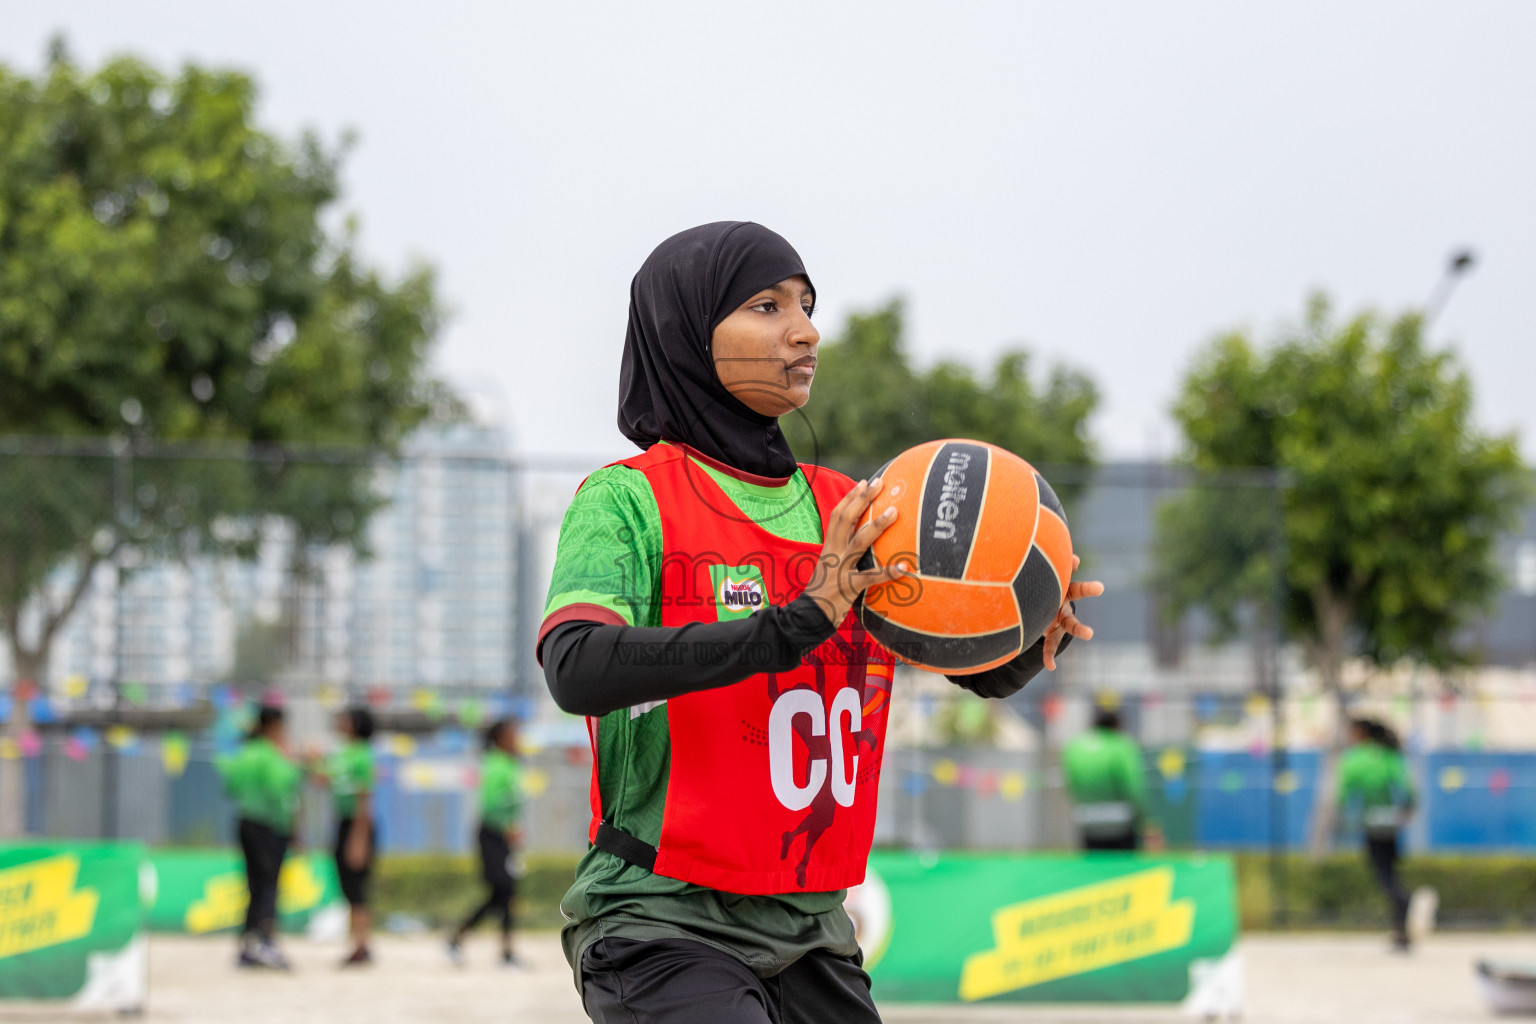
(869, 403)
(1393, 504)
(170, 296)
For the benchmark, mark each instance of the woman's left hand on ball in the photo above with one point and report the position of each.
(1067, 620)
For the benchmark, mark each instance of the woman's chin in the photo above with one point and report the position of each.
(792, 403)
(774, 403)
(797, 396)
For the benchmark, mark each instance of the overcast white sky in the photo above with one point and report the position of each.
(1107, 183)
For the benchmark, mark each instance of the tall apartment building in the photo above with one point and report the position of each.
(433, 604)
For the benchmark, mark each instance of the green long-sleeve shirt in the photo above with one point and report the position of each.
(501, 790)
(263, 783)
(1374, 776)
(1105, 766)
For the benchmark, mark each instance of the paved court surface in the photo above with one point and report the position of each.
(1318, 979)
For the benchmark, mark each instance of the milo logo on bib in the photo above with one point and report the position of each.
(738, 590)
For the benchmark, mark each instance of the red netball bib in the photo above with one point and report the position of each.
(773, 781)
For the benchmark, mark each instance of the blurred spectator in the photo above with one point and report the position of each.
(1376, 790)
(501, 811)
(1104, 774)
(264, 783)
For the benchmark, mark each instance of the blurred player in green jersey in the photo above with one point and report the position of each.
(264, 783)
(501, 811)
(1376, 791)
(1105, 778)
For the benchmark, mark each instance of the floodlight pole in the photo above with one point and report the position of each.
(1462, 261)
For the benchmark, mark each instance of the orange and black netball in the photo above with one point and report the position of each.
(987, 539)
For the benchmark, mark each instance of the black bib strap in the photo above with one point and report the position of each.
(625, 846)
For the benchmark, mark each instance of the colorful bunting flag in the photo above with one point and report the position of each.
(174, 752)
(1171, 763)
(122, 738)
(29, 743)
(1498, 781)
(1452, 779)
(535, 783)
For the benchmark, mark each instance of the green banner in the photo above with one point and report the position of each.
(71, 918)
(1084, 928)
(204, 891)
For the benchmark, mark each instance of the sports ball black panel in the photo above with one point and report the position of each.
(951, 507)
(1048, 498)
(1039, 594)
(941, 653)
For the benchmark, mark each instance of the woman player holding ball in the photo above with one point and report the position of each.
(699, 615)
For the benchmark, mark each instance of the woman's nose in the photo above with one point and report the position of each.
(804, 332)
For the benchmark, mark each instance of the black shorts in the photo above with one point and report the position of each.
(495, 853)
(1123, 841)
(354, 882)
(681, 982)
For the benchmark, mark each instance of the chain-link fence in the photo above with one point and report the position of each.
(148, 594)
(1223, 787)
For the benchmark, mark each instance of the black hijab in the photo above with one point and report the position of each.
(668, 388)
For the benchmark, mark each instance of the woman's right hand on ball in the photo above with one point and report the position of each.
(838, 581)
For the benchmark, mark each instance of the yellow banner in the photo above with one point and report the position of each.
(225, 897)
(1077, 931)
(222, 906)
(40, 907)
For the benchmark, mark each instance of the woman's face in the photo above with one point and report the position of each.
(765, 351)
(344, 725)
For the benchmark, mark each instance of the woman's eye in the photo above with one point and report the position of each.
(767, 306)
(810, 310)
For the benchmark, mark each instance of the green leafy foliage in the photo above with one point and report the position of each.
(1383, 544)
(1339, 891)
(1394, 500)
(440, 888)
(174, 309)
(869, 403)
(1217, 547)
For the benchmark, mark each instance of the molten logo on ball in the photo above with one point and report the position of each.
(951, 495)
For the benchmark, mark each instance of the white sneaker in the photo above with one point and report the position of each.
(270, 956)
